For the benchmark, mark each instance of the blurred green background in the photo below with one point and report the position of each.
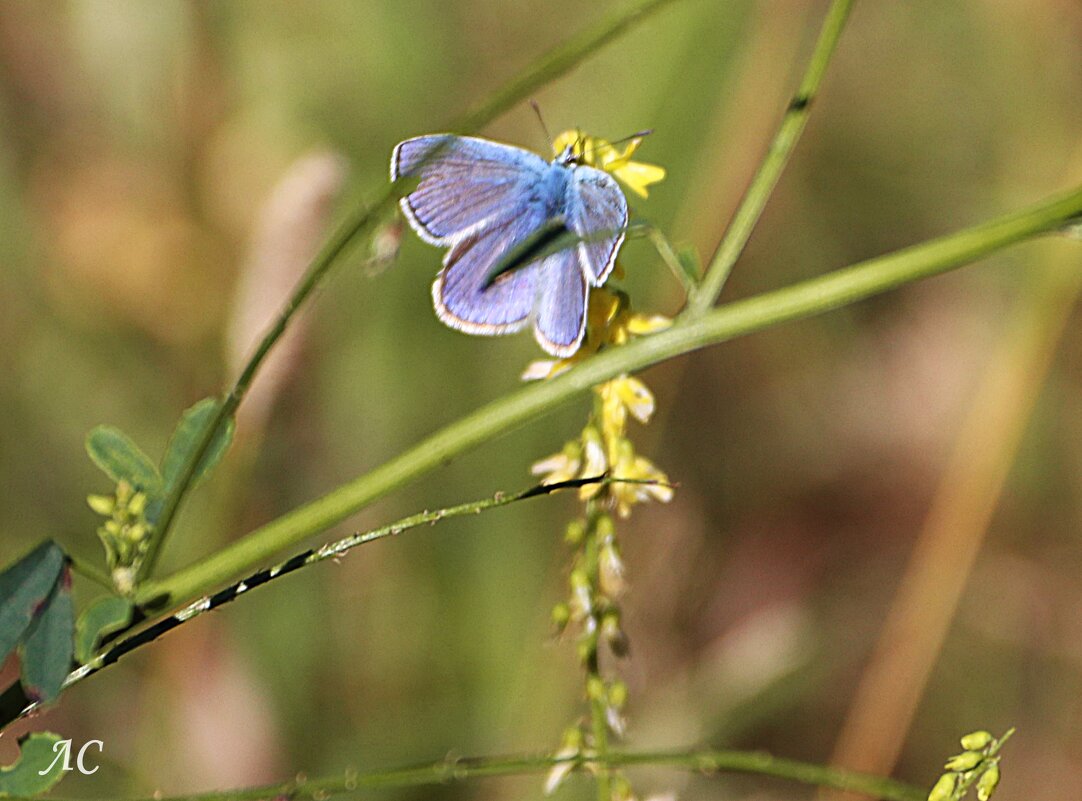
(139, 143)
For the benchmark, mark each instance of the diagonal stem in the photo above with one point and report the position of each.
(14, 704)
(736, 319)
(766, 177)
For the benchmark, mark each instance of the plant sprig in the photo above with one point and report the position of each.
(462, 769)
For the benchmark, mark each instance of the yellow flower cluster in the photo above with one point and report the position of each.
(604, 155)
(603, 448)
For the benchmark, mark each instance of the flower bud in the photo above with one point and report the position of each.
(102, 504)
(986, 784)
(138, 504)
(136, 533)
(561, 616)
(604, 527)
(967, 760)
(595, 688)
(618, 694)
(575, 533)
(977, 740)
(579, 579)
(943, 790)
(572, 739)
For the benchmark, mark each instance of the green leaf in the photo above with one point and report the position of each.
(186, 438)
(107, 614)
(122, 460)
(23, 778)
(23, 588)
(47, 649)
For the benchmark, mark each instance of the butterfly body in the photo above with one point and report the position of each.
(482, 200)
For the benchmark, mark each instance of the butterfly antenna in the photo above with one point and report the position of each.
(636, 135)
(537, 110)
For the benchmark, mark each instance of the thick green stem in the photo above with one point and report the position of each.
(804, 299)
(766, 177)
(549, 67)
(446, 771)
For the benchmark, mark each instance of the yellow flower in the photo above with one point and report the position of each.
(634, 396)
(594, 461)
(562, 466)
(640, 324)
(631, 466)
(603, 155)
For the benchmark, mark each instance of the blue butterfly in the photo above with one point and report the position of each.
(483, 200)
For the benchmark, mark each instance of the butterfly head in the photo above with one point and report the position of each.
(573, 152)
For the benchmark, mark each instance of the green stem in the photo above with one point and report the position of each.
(736, 319)
(766, 177)
(447, 771)
(549, 67)
(89, 571)
(15, 705)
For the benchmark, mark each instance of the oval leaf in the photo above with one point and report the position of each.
(104, 616)
(186, 438)
(23, 588)
(122, 460)
(39, 754)
(47, 649)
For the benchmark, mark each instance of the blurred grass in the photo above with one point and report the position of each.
(137, 142)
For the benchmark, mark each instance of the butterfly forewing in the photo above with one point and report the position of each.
(597, 213)
(464, 182)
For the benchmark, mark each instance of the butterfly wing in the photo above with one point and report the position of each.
(464, 183)
(596, 212)
(462, 294)
(561, 308)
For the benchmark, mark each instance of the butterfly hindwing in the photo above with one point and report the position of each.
(463, 297)
(464, 181)
(596, 212)
(561, 308)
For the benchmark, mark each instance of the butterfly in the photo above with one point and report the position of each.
(487, 201)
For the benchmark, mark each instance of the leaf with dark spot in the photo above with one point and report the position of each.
(47, 649)
(23, 588)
